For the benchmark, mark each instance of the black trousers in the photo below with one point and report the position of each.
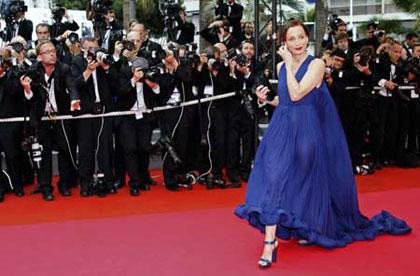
(185, 142)
(404, 123)
(10, 144)
(219, 133)
(357, 117)
(135, 138)
(53, 135)
(386, 129)
(95, 135)
(414, 132)
(240, 141)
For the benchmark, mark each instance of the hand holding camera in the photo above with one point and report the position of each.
(138, 74)
(262, 92)
(25, 81)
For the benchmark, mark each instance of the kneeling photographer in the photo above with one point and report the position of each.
(180, 125)
(91, 75)
(49, 88)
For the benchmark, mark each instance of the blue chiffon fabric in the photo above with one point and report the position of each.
(302, 180)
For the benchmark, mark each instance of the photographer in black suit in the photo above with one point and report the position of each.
(388, 74)
(51, 91)
(91, 76)
(220, 31)
(231, 11)
(148, 49)
(18, 24)
(11, 105)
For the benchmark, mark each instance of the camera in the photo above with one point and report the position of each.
(334, 21)
(153, 73)
(241, 60)
(73, 38)
(413, 66)
(32, 146)
(127, 45)
(99, 55)
(100, 8)
(264, 80)
(366, 53)
(58, 13)
(165, 144)
(17, 47)
(232, 53)
(11, 8)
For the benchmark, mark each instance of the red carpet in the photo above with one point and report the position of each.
(192, 233)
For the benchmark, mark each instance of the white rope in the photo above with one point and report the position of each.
(119, 113)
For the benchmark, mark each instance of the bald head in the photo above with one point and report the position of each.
(135, 38)
(141, 30)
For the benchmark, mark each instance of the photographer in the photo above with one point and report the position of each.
(358, 113)
(18, 48)
(178, 85)
(410, 40)
(11, 105)
(388, 74)
(177, 27)
(335, 27)
(148, 49)
(62, 22)
(16, 23)
(414, 76)
(241, 115)
(247, 32)
(373, 37)
(232, 12)
(137, 92)
(216, 81)
(90, 73)
(50, 90)
(220, 31)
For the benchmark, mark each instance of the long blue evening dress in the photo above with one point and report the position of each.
(303, 181)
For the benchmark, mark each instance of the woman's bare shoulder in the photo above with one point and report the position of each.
(279, 65)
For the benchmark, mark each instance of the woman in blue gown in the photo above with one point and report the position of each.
(302, 184)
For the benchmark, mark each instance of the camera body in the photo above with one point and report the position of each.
(101, 7)
(413, 66)
(11, 10)
(333, 22)
(58, 13)
(73, 38)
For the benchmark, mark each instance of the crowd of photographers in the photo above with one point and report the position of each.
(123, 70)
(375, 85)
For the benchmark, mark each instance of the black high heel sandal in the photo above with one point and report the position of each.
(265, 263)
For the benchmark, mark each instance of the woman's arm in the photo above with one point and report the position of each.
(312, 78)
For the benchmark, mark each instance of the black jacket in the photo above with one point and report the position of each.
(11, 96)
(25, 30)
(86, 88)
(127, 93)
(64, 89)
(234, 18)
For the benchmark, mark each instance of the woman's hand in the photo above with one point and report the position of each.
(285, 55)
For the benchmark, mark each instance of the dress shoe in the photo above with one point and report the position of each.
(144, 187)
(134, 192)
(233, 178)
(85, 193)
(112, 190)
(244, 176)
(37, 189)
(19, 193)
(1, 197)
(150, 182)
(65, 192)
(47, 196)
(118, 184)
